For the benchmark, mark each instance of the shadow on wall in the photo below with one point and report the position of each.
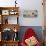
(37, 29)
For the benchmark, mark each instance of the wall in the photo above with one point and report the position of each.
(32, 5)
(27, 5)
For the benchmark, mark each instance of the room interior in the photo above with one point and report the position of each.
(16, 16)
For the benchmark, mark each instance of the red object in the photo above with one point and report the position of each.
(29, 33)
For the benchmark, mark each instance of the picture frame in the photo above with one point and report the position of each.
(30, 13)
(12, 12)
(5, 12)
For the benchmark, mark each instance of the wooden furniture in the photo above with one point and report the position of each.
(0, 43)
(44, 37)
(44, 7)
(10, 43)
(11, 26)
(5, 13)
(8, 11)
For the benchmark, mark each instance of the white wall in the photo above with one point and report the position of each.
(32, 5)
(27, 5)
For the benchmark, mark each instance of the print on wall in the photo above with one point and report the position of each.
(30, 13)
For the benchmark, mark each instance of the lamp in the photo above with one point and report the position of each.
(15, 3)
